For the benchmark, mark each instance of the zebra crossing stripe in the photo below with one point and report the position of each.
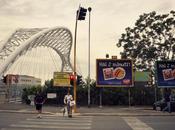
(54, 123)
(58, 120)
(14, 129)
(73, 118)
(49, 127)
(136, 124)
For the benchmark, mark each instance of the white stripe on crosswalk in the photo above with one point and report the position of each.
(50, 127)
(15, 129)
(136, 124)
(56, 117)
(53, 122)
(58, 120)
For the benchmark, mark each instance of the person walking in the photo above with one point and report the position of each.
(67, 101)
(39, 101)
(167, 98)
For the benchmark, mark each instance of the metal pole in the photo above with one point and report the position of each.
(8, 88)
(155, 93)
(101, 89)
(89, 100)
(75, 85)
(129, 97)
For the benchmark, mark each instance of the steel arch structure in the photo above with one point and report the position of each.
(57, 38)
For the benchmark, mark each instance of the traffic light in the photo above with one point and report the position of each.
(79, 79)
(82, 13)
(5, 79)
(72, 79)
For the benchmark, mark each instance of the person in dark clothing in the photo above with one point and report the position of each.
(167, 97)
(39, 101)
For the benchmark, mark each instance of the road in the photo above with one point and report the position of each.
(17, 121)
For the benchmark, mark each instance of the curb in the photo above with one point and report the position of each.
(124, 114)
(89, 114)
(24, 112)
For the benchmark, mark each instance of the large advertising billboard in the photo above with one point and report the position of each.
(114, 73)
(61, 79)
(165, 74)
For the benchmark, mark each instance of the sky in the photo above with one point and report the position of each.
(109, 18)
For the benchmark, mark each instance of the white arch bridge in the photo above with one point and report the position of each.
(22, 40)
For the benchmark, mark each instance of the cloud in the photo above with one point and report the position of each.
(166, 6)
(108, 20)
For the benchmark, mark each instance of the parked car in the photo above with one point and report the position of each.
(161, 104)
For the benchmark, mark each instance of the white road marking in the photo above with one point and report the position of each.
(53, 122)
(50, 127)
(56, 117)
(136, 124)
(14, 129)
(58, 120)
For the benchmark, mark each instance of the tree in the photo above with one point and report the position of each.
(152, 38)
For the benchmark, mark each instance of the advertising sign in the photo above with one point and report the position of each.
(114, 73)
(61, 79)
(165, 73)
(51, 95)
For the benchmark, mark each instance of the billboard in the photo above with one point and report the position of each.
(165, 73)
(61, 79)
(114, 73)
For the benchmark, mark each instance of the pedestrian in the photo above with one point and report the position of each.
(39, 101)
(67, 101)
(167, 98)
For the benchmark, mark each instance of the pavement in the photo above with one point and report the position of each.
(86, 111)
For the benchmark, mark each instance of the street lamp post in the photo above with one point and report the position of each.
(89, 100)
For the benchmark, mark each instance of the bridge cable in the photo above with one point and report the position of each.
(44, 67)
(23, 60)
(78, 67)
(28, 60)
(52, 57)
(32, 58)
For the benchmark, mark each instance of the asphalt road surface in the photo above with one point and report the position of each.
(16, 121)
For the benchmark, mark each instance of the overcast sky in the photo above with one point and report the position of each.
(109, 20)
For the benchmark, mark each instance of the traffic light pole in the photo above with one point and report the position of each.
(75, 85)
(80, 15)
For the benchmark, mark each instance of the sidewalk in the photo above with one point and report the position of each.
(85, 111)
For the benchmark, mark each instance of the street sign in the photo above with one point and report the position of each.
(165, 71)
(114, 73)
(61, 79)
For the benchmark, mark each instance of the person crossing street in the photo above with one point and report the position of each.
(39, 101)
(68, 102)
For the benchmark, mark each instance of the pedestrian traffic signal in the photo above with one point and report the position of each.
(82, 13)
(79, 79)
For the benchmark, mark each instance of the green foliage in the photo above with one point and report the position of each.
(152, 38)
(31, 91)
(110, 96)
